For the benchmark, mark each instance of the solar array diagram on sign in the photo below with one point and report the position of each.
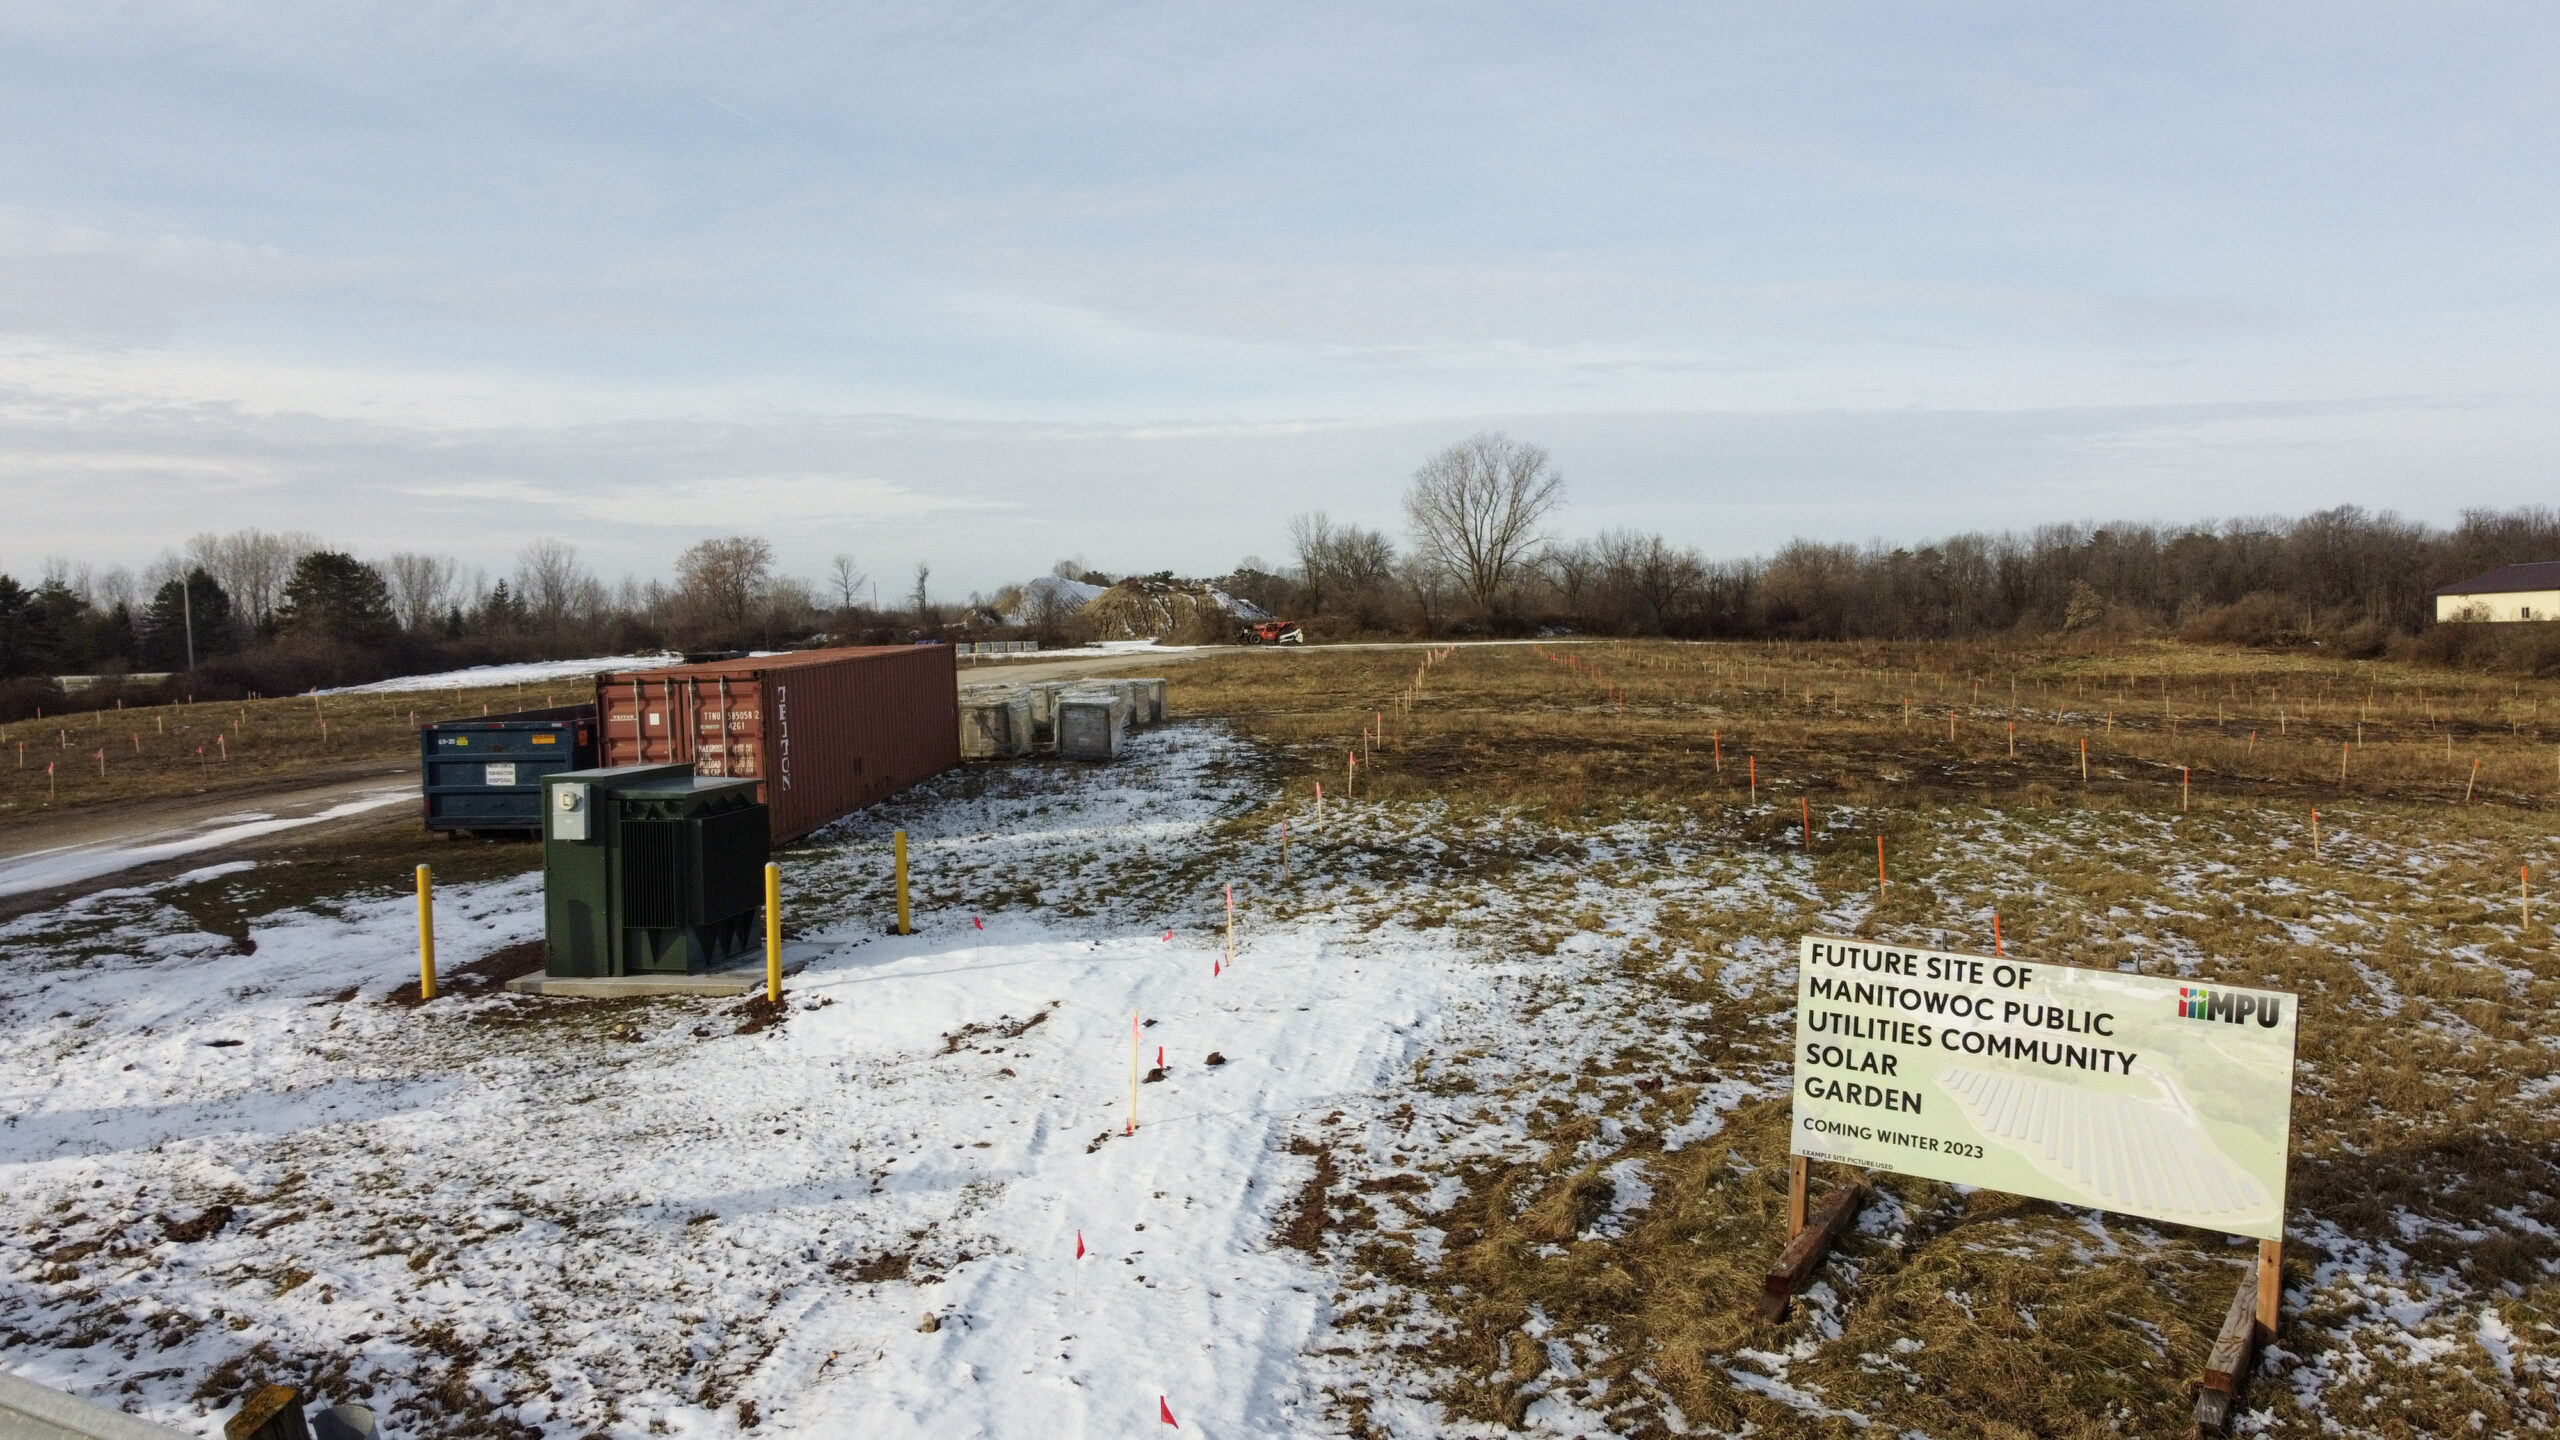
(2147, 1095)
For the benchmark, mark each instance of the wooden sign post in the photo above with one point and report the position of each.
(2146, 1095)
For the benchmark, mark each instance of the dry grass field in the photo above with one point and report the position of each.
(167, 752)
(1672, 783)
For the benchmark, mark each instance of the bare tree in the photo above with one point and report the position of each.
(1364, 572)
(726, 580)
(423, 588)
(116, 589)
(168, 565)
(75, 576)
(1428, 587)
(252, 566)
(1311, 536)
(1571, 568)
(1651, 587)
(551, 584)
(923, 604)
(790, 608)
(1475, 509)
(847, 579)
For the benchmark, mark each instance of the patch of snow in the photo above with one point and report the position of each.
(2498, 1340)
(1134, 647)
(71, 864)
(529, 672)
(1628, 1193)
(1706, 1116)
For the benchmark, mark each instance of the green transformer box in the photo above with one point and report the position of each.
(650, 870)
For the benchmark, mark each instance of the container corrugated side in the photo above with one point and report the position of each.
(826, 731)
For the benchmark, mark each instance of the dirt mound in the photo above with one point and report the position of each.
(1155, 607)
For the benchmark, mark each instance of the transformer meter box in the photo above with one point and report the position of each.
(650, 870)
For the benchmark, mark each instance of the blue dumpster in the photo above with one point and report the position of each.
(485, 773)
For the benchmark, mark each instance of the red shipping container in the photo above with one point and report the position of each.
(827, 731)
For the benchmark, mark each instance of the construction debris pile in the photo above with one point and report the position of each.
(1142, 607)
(1074, 719)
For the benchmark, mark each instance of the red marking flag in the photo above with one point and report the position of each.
(1165, 1412)
(1079, 1244)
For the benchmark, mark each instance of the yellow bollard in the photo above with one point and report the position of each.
(772, 934)
(426, 934)
(902, 884)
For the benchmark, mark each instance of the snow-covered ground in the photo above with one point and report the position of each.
(524, 673)
(634, 1218)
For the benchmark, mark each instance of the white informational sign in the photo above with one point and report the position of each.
(2147, 1095)
(501, 774)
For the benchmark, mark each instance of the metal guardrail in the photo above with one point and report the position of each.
(29, 1411)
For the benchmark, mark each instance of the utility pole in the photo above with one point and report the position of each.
(187, 607)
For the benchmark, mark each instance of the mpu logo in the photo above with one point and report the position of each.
(2229, 1006)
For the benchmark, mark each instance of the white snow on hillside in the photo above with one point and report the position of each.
(1241, 609)
(525, 673)
(1075, 593)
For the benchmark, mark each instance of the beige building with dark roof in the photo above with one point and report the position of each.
(2510, 592)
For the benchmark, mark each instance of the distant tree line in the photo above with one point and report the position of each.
(1475, 558)
(274, 613)
(255, 612)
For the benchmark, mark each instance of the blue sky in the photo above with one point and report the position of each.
(987, 285)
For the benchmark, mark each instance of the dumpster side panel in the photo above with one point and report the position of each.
(827, 731)
(485, 772)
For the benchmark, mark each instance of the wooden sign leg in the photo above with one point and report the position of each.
(2270, 1288)
(2249, 1324)
(1809, 1238)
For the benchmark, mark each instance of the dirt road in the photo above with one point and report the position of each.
(74, 852)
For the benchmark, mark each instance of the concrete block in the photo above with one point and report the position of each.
(1092, 723)
(995, 724)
